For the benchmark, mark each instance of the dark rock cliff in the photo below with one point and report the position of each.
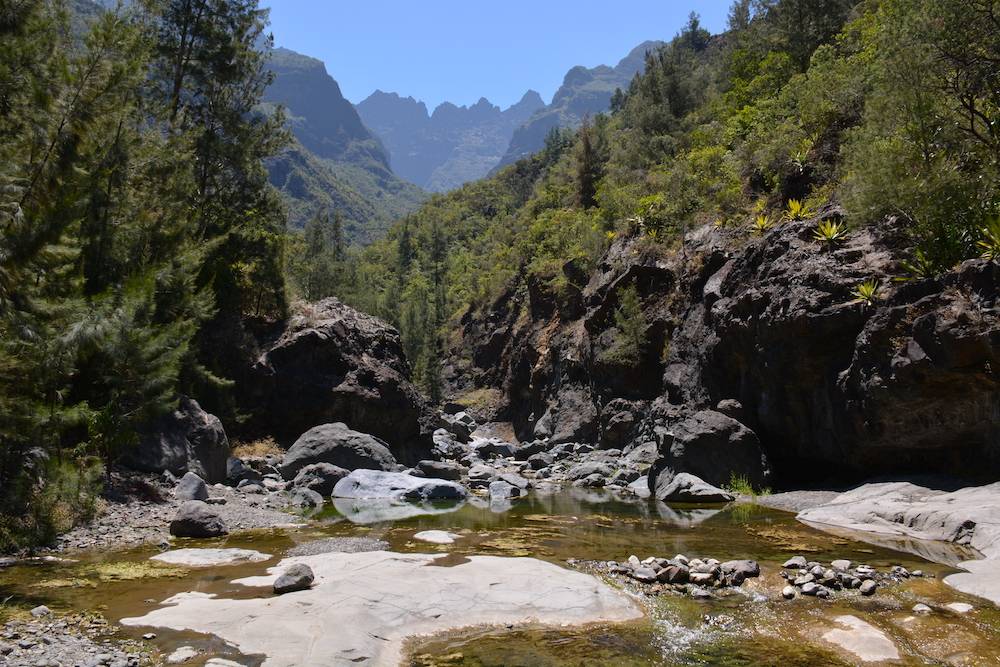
(834, 389)
(330, 363)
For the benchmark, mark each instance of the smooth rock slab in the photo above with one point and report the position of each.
(363, 606)
(864, 640)
(210, 557)
(436, 536)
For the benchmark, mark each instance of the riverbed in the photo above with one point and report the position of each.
(752, 625)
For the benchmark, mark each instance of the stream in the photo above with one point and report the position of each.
(752, 626)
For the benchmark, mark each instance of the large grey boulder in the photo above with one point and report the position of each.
(319, 477)
(713, 447)
(331, 363)
(185, 440)
(377, 484)
(687, 488)
(197, 519)
(441, 470)
(337, 445)
(191, 487)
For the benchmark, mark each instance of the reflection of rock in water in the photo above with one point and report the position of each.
(684, 518)
(347, 545)
(383, 509)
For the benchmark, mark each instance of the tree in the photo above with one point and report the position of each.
(631, 325)
(588, 167)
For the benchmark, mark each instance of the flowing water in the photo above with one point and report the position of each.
(752, 627)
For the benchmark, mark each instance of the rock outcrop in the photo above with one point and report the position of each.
(185, 440)
(331, 363)
(767, 333)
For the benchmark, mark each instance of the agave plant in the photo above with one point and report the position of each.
(921, 267)
(796, 210)
(761, 224)
(866, 293)
(990, 243)
(830, 232)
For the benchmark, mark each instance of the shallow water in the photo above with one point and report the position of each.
(753, 627)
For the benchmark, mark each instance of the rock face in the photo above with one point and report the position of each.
(766, 335)
(186, 440)
(374, 484)
(197, 519)
(336, 445)
(331, 363)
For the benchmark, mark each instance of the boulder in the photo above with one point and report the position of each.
(337, 445)
(528, 449)
(298, 577)
(374, 484)
(185, 440)
(492, 448)
(319, 477)
(501, 490)
(197, 519)
(441, 470)
(714, 447)
(686, 488)
(191, 487)
(331, 363)
(540, 460)
(306, 498)
(237, 471)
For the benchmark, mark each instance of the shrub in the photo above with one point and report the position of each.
(740, 485)
(257, 448)
(921, 267)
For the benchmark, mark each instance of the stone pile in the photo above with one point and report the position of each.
(696, 577)
(814, 579)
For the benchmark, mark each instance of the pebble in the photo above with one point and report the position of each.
(868, 587)
(788, 592)
(960, 607)
(921, 608)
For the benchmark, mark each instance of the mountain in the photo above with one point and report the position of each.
(584, 92)
(442, 150)
(334, 160)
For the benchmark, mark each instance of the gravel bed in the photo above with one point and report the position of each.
(69, 641)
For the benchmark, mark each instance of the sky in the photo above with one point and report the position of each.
(461, 50)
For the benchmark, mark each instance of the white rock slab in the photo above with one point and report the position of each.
(363, 606)
(182, 655)
(968, 517)
(960, 607)
(436, 536)
(864, 640)
(210, 557)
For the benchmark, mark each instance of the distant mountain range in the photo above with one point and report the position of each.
(584, 92)
(453, 145)
(334, 162)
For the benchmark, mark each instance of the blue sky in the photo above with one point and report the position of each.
(461, 50)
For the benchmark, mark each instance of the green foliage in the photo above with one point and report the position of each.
(796, 210)
(761, 225)
(920, 267)
(830, 232)
(134, 211)
(740, 485)
(866, 292)
(990, 243)
(630, 325)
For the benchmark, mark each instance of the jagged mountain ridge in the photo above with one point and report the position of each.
(334, 162)
(442, 150)
(584, 92)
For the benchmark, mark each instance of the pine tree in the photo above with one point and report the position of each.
(588, 167)
(631, 324)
